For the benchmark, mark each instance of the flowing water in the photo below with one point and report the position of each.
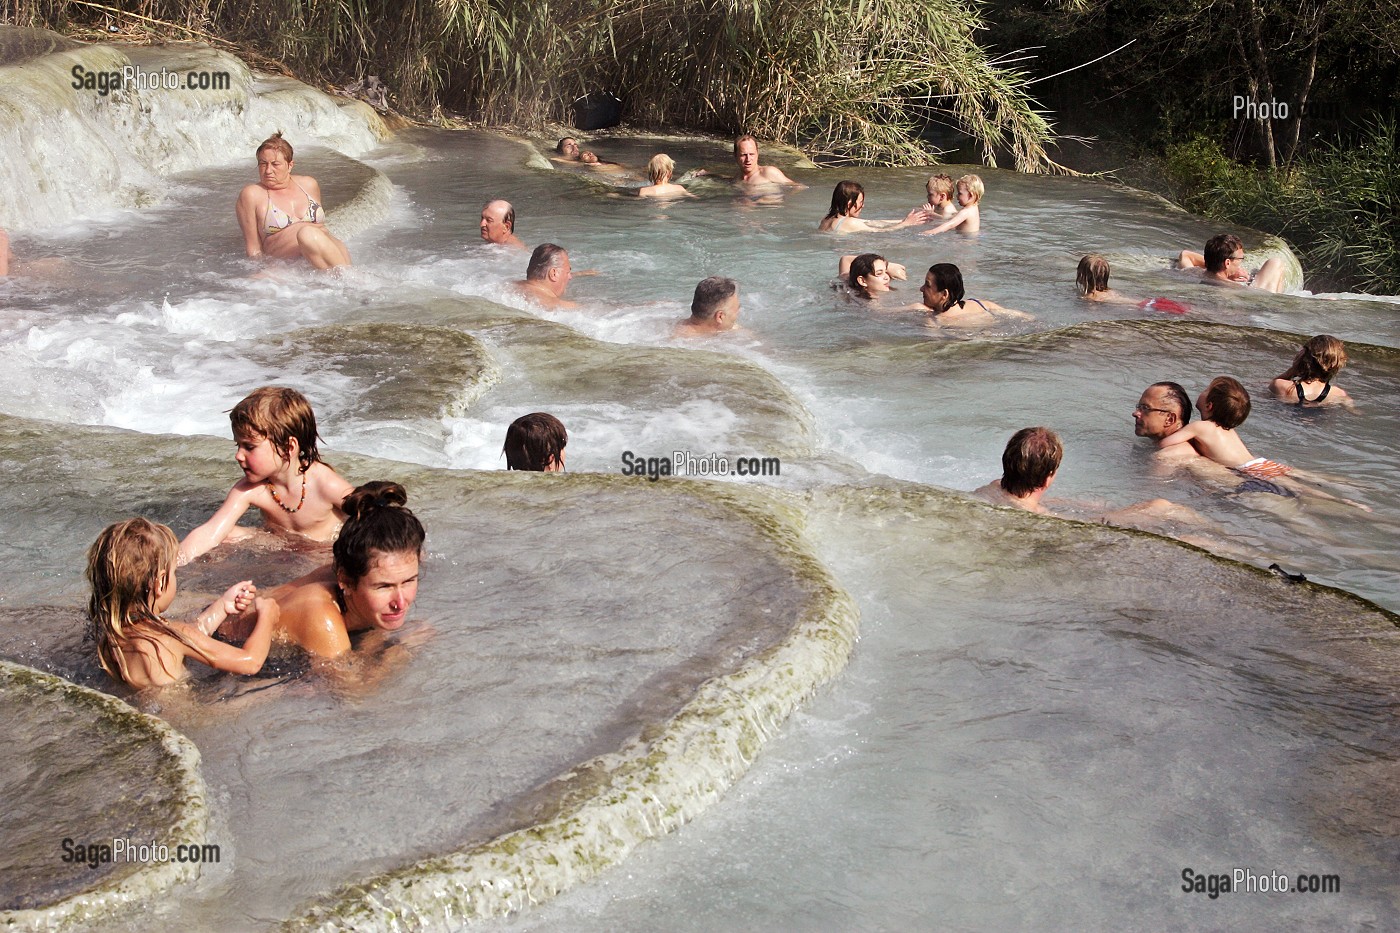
(1042, 724)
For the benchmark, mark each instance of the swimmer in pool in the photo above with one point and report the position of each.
(1224, 405)
(713, 310)
(1028, 467)
(371, 582)
(945, 302)
(567, 151)
(1223, 262)
(547, 277)
(941, 204)
(868, 275)
(535, 443)
(1092, 280)
(1308, 382)
(751, 174)
(281, 216)
(274, 429)
(131, 569)
(968, 218)
(848, 200)
(498, 224)
(659, 170)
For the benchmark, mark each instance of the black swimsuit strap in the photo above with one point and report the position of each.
(1298, 387)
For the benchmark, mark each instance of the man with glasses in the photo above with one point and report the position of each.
(1223, 262)
(1164, 409)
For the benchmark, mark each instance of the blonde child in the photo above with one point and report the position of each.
(969, 218)
(283, 476)
(659, 170)
(940, 203)
(1309, 380)
(131, 568)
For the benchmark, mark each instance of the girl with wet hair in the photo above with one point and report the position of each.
(848, 200)
(1308, 382)
(131, 569)
(535, 443)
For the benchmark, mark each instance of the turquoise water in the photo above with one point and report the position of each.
(1043, 722)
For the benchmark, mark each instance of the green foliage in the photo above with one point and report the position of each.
(1340, 206)
(850, 80)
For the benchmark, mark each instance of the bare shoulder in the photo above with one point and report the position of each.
(330, 483)
(1283, 389)
(251, 193)
(309, 183)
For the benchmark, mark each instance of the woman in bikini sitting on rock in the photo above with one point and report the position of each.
(281, 216)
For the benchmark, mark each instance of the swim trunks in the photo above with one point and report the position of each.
(1263, 468)
(276, 219)
(1264, 485)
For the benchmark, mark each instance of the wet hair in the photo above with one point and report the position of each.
(1031, 457)
(939, 183)
(974, 184)
(278, 414)
(745, 138)
(862, 267)
(843, 198)
(948, 277)
(1219, 248)
(661, 166)
(276, 143)
(1178, 395)
(1092, 275)
(377, 521)
(1229, 402)
(559, 147)
(709, 294)
(1321, 358)
(126, 567)
(546, 256)
(535, 442)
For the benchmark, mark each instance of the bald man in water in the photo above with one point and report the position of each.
(498, 224)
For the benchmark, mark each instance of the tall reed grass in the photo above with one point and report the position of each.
(848, 80)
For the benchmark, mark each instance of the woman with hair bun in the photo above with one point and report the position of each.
(370, 584)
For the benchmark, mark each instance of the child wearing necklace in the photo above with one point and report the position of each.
(283, 474)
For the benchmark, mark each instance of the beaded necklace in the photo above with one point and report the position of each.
(275, 498)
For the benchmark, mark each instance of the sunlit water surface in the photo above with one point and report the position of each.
(1044, 722)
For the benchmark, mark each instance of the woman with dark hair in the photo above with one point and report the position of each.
(848, 200)
(281, 216)
(535, 442)
(869, 275)
(370, 584)
(946, 302)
